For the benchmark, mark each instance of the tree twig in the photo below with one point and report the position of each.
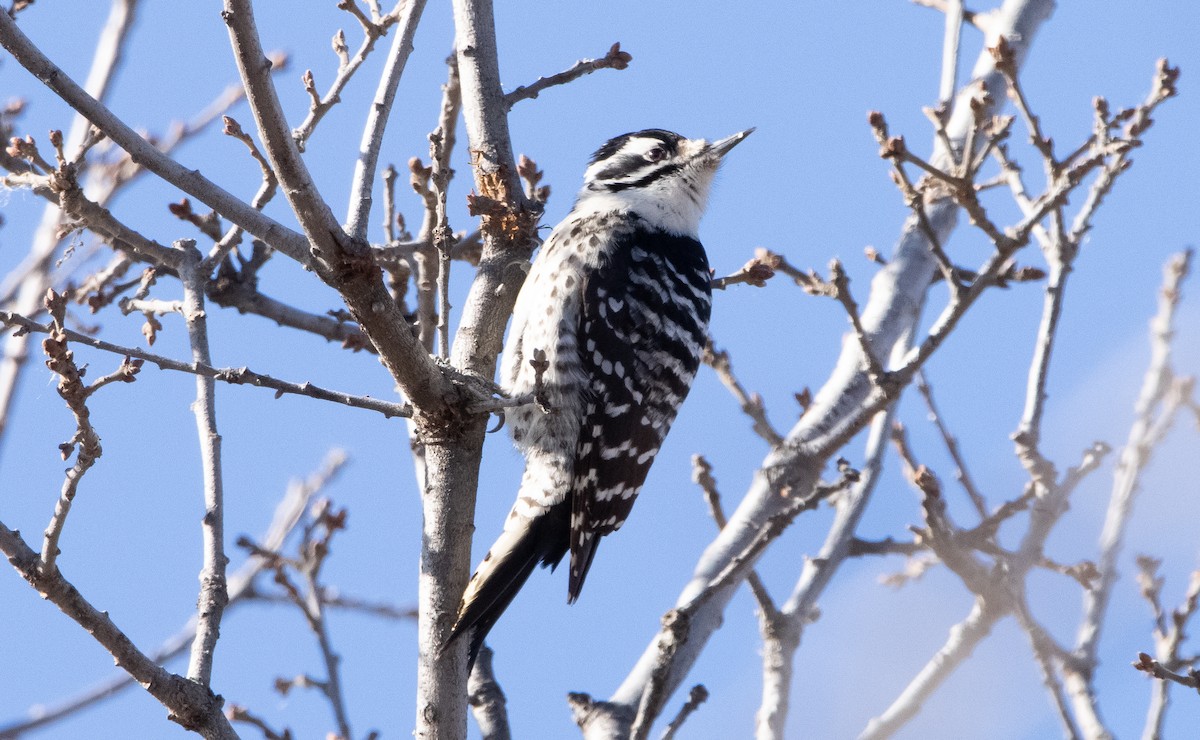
(236, 376)
(359, 208)
(751, 403)
(487, 699)
(85, 441)
(756, 272)
(1134, 457)
(193, 706)
(338, 259)
(614, 59)
(189, 181)
(214, 593)
(288, 513)
(951, 47)
(961, 473)
(313, 549)
(441, 146)
(697, 696)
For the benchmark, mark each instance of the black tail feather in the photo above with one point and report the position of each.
(504, 571)
(581, 563)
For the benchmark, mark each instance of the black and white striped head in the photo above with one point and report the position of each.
(659, 175)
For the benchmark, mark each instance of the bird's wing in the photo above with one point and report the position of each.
(642, 327)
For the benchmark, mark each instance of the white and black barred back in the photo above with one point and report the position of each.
(619, 300)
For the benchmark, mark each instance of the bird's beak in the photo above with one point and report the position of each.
(722, 146)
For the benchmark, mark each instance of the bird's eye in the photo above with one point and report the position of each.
(656, 154)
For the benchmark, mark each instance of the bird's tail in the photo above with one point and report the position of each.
(506, 567)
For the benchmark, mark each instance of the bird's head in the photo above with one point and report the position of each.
(659, 175)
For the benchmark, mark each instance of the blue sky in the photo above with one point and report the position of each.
(808, 184)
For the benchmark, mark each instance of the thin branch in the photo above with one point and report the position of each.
(238, 713)
(751, 403)
(214, 594)
(424, 253)
(960, 471)
(1167, 641)
(951, 47)
(144, 153)
(487, 699)
(537, 396)
(288, 513)
(697, 696)
(266, 191)
(1028, 434)
(1138, 120)
(756, 272)
(359, 208)
(236, 376)
(1007, 67)
(841, 285)
(614, 59)
(1046, 651)
(313, 549)
(191, 705)
(315, 607)
(441, 146)
(389, 203)
(331, 599)
(959, 645)
(85, 440)
(240, 292)
(1151, 666)
(321, 104)
(702, 476)
(810, 282)
(1152, 401)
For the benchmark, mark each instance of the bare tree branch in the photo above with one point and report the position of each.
(190, 704)
(236, 376)
(614, 59)
(32, 286)
(962, 640)
(487, 699)
(951, 45)
(359, 209)
(340, 260)
(961, 473)
(214, 594)
(1168, 640)
(1154, 668)
(85, 441)
(441, 145)
(1134, 458)
(313, 549)
(288, 513)
(144, 153)
(321, 104)
(751, 403)
(697, 696)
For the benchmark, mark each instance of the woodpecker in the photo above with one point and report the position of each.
(618, 299)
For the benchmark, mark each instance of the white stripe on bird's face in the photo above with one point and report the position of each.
(659, 175)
